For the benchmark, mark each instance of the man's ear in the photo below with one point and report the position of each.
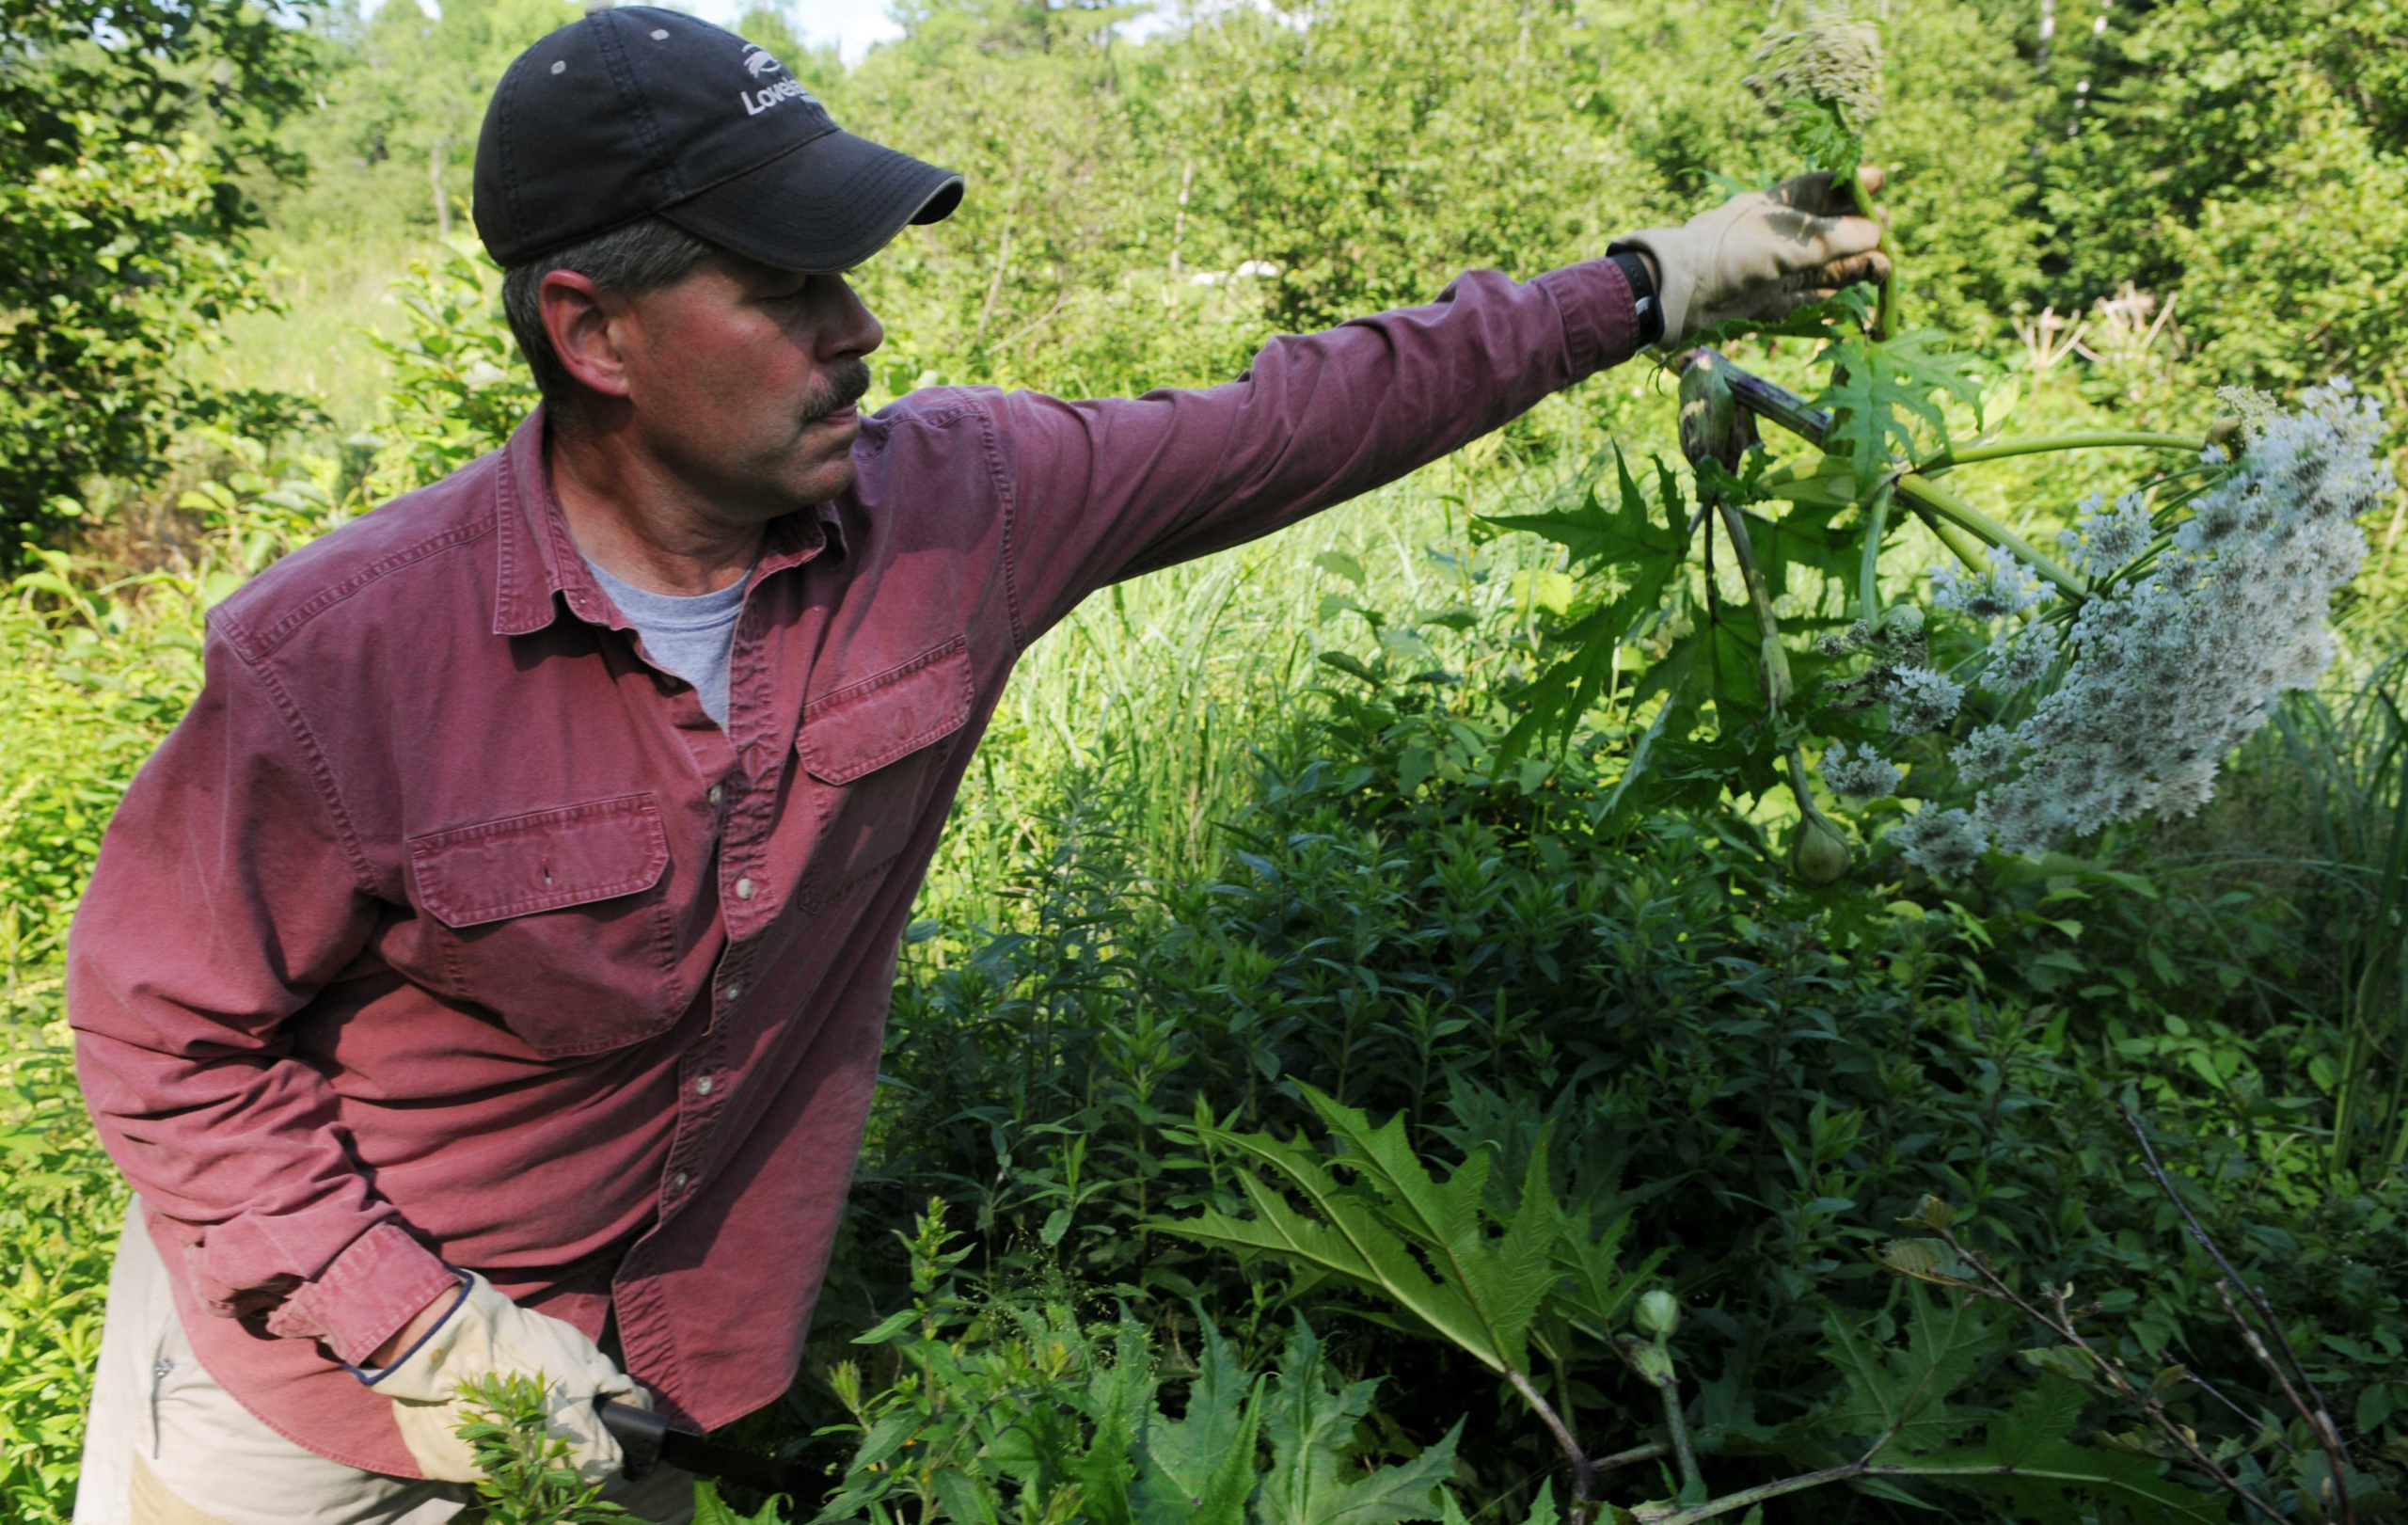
(587, 329)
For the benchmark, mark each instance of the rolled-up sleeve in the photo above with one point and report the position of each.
(227, 892)
(1105, 490)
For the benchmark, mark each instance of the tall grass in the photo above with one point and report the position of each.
(2345, 750)
(1164, 692)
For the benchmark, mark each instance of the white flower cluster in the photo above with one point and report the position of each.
(1833, 59)
(1922, 700)
(1865, 775)
(2021, 657)
(2106, 538)
(2167, 674)
(1941, 842)
(2005, 587)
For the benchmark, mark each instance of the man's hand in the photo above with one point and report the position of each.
(489, 1335)
(1762, 254)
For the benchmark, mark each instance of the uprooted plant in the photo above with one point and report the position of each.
(2101, 677)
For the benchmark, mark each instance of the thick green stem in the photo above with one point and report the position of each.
(1930, 495)
(1749, 1497)
(1885, 318)
(1684, 1455)
(1868, 573)
(2043, 444)
(1583, 1469)
(1933, 502)
(1965, 546)
(1771, 657)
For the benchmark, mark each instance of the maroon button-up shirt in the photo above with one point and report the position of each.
(445, 928)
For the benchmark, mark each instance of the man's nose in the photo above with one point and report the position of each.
(850, 329)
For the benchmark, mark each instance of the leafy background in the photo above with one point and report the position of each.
(1241, 832)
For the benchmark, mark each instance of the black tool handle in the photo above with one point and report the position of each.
(646, 1441)
(639, 1433)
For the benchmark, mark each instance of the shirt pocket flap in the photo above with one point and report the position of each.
(541, 861)
(860, 729)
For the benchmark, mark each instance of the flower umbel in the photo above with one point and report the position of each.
(2005, 587)
(1864, 775)
(1832, 61)
(1942, 843)
(2164, 675)
(2107, 538)
(1923, 700)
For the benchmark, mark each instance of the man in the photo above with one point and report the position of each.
(487, 976)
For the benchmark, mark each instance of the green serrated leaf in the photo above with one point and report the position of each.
(1903, 1393)
(1499, 1281)
(1315, 1477)
(1602, 536)
(2029, 1461)
(1183, 1459)
(710, 1509)
(1352, 668)
(887, 1328)
(1339, 564)
(1877, 387)
(1649, 554)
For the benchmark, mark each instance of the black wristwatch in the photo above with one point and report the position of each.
(1642, 288)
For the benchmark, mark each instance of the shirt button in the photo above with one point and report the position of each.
(677, 1182)
(165, 1365)
(702, 1085)
(734, 990)
(744, 889)
(716, 793)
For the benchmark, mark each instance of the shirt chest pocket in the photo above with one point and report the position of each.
(557, 921)
(875, 752)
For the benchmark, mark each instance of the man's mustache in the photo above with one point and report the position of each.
(848, 384)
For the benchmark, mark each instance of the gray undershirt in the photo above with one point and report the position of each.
(687, 636)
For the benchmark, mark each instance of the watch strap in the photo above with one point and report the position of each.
(1648, 305)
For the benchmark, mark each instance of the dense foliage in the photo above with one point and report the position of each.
(123, 128)
(1254, 903)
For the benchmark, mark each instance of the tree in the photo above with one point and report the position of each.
(124, 124)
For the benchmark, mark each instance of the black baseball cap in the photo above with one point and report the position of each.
(637, 112)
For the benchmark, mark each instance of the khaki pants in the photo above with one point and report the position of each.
(166, 1445)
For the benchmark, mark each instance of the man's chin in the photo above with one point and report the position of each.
(831, 479)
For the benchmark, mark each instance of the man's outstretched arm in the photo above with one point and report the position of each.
(1106, 489)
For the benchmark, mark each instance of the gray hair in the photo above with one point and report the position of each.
(641, 256)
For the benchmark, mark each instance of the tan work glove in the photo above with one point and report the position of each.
(1762, 254)
(489, 1335)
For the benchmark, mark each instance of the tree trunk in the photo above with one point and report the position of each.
(435, 182)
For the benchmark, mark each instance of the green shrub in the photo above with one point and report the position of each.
(59, 1221)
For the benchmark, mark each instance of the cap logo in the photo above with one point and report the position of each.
(760, 65)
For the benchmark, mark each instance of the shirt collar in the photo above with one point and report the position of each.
(537, 567)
